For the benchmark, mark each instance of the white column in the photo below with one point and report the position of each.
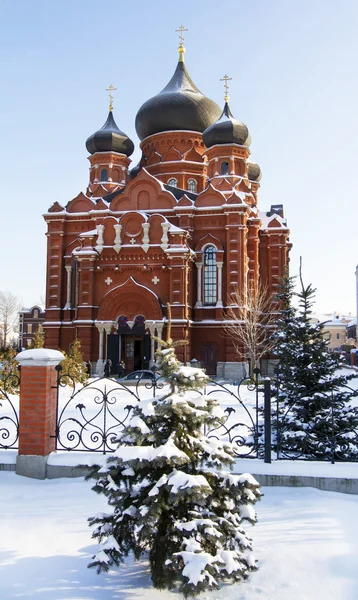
(68, 299)
(151, 327)
(145, 240)
(100, 361)
(108, 328)
(117, 239)
(164, 240)
(100, 240)
(159, 327)
(219, 302)
(199, 300)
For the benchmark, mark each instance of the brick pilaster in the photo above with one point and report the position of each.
(38, 401)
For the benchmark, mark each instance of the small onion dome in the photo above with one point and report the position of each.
(179, 106)
(253, 171)
(226, 130)
(110, 139)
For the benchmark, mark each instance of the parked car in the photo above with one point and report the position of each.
(136, 376)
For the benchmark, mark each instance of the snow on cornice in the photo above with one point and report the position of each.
(266, 220)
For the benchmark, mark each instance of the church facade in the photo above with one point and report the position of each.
(182, 227)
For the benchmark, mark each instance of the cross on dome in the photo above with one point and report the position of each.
(226, 78)
(181, 48)
(111, 89)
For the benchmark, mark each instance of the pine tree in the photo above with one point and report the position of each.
(169, 497)
(73, 366)
(9, 373)
(312, 391)
(39, 338)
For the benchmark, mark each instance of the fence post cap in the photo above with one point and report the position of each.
(39, 357)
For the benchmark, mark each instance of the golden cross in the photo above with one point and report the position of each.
(110, 89)
(226, 78)
(181, 30)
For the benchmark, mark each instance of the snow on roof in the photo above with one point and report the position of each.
(333, 319)
(266, 220)
(88, 233)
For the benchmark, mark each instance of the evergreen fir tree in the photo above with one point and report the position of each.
(9, 374)
(169, 497)
(39, 338)
(73, 365)
(314, 416)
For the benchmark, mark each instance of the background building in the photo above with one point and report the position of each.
(30, 319)
(182, 227)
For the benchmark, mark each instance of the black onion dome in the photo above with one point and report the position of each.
(226, 130)
(110, 139)
(253, 171)
(179, 106)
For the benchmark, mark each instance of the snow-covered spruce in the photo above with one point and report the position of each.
(315, 418)
(168, 496)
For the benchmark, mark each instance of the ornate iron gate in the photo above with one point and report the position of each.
(9, 416)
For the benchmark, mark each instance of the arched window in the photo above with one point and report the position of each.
(173, 182)
(224, 168)
(36, 314)
(104, 175)
(209, 276)
(192, 186)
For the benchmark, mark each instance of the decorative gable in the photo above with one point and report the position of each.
(193, 155)
(56, 207)
(210, 197)
(80, 204)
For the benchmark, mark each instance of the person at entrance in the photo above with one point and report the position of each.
(121, 368)
(108, 368)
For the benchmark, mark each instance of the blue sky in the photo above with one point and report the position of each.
(294, 83)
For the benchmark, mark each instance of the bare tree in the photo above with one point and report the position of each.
(9, 308)
(250, 320)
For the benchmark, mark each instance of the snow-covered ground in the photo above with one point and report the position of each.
(306, 542)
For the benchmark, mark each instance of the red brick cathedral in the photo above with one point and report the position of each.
(182, 227)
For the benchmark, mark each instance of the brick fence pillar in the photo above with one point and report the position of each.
(37, 415)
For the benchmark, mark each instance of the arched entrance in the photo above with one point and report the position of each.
(128, 314)
(129, 345)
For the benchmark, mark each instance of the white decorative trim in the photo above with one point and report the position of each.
(145, 240)
(100, 241)
(117, 239)
(164, 240)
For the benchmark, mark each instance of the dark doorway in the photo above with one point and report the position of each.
(113, 351)
(209, 358)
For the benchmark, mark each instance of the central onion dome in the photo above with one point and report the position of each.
(110, 139)
(179, 106)
(226, 130)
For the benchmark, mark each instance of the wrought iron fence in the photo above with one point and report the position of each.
(92, 416)
(241, 425)
(9, 415)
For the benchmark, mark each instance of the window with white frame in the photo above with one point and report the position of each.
(173, 182)
(192, 185)
(209, 275)
(29, 328)
(36, 314)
